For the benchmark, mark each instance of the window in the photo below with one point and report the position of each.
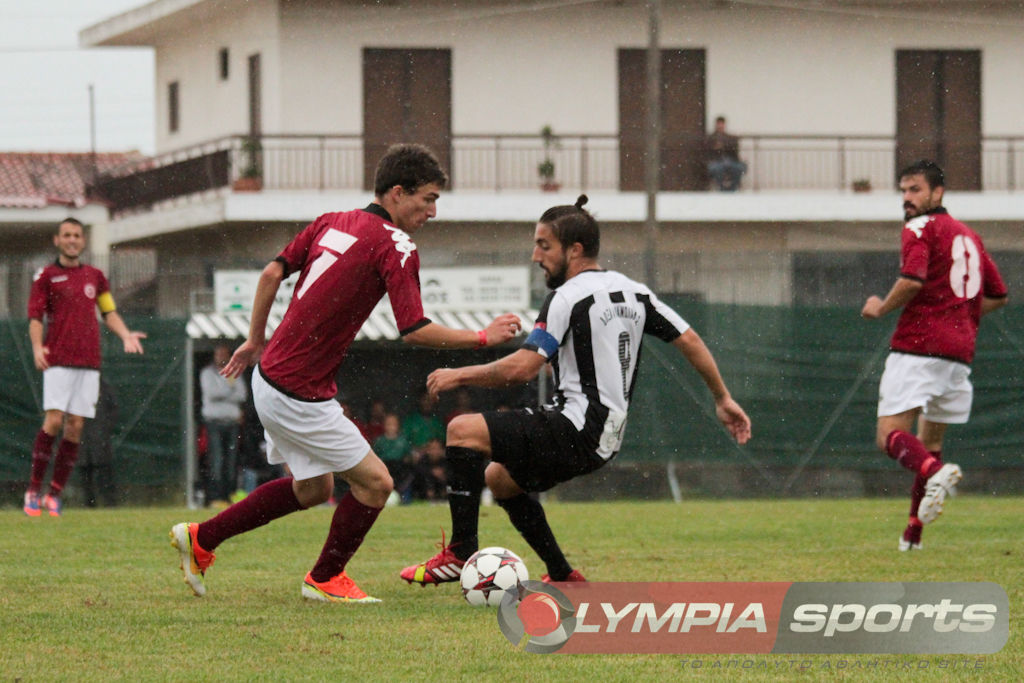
(172, 107)
(222, 59)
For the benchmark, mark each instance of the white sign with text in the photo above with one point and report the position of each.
(499, 288)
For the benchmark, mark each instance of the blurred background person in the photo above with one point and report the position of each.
(723, 158)
(394, 449)
(223, 398)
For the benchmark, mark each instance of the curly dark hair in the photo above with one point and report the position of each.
(572, 224)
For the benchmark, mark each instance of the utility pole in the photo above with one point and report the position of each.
(652, 155)
(92, 133)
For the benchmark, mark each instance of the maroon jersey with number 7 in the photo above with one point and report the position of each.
(348, 261)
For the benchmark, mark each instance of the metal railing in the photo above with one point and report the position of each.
(495, 163)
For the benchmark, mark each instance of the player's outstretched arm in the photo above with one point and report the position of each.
(989, 304)
(499, 331)
(728, 411)
(132, 340)
(899, 296)
(516, 368)
(249, 352)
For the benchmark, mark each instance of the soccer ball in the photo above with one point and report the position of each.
(488, 573)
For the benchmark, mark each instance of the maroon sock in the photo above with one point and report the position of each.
(912, 534)
(42, 450)
(917, 494)
(265, 504)
(350, 524)
(67, 454)
(917, 490)
(908, 451)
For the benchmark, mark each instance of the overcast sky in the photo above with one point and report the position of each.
(45, 78)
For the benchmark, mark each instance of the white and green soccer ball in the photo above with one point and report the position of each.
(489, 573)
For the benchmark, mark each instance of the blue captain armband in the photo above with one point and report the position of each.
(544, 342)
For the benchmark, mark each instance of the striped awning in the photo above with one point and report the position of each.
(379, 326)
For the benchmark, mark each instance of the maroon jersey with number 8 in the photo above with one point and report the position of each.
(950, 260)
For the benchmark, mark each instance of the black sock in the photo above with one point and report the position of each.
(527, 516)
(465, 483)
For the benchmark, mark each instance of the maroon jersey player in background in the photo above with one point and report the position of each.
(947, 282)
(66, 294)
(347, 261)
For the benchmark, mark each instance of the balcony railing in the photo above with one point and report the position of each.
(496, 163)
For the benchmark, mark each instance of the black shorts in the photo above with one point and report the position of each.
(539, 448)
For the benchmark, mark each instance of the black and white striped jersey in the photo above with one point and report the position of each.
(590, 329)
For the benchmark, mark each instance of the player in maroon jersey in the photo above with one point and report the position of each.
(66, 294)
(947, 282)
(347, 261)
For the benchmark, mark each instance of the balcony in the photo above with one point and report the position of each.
(497, 163)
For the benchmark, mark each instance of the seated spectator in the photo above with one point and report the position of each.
(463, 405)
(722, 152)
(393, 448)
(375, 420)
(423, 425)
(431, 480)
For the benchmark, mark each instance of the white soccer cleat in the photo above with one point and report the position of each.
(906, 545)
(941, 484)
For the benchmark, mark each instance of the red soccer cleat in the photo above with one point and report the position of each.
(441, 568)
(574, 577)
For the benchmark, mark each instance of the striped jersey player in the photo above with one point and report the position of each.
(591, 330)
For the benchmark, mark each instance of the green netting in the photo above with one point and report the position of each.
(148, 438)
(808, 377)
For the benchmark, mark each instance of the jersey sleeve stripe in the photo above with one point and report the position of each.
(422, 322)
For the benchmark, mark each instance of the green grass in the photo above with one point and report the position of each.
(97, 595)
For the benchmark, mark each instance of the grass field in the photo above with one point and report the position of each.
(97, 595)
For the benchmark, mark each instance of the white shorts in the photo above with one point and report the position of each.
(941, 388)
(311, 437)
(71, 390)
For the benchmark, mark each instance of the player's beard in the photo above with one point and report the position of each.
(911, 211)
(556, 278)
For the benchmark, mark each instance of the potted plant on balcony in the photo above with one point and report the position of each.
(862, 185)
(250, 179)
(546, 168)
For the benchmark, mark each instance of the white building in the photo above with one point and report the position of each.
(822, 93)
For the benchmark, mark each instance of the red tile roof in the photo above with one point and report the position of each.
(36, 180)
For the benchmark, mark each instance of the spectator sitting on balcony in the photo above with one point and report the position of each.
(723, 159)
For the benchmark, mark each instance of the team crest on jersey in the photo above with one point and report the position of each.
(403, 243)
(90, 290)
(916, 225)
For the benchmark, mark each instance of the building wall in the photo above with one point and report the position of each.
(209, 107)
(766, 263)
(512, 73)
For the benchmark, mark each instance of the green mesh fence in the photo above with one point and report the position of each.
(807, 377)
(147, 441)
